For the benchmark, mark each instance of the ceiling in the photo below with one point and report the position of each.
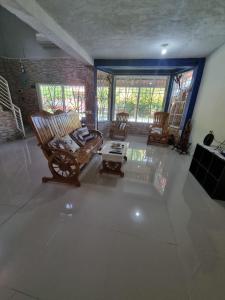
(136, 29)
(126, 29)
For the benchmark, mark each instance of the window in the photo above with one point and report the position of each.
(185, 83)
(140, 96)
(178, 102)
(62, 97)
(103, 94)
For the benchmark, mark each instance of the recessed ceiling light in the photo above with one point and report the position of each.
(164, 49)
(137, 213)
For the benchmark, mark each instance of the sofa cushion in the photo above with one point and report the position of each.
(78, 138)
(69, 143)
(65, 143)
(85, 134)
(83, 131)
(89, 137)
(55, 143)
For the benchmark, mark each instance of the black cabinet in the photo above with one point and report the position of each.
(208, 167)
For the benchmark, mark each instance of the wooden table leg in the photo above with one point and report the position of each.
(112, 167)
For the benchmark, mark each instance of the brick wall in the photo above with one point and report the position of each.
(138, 128)
(8, 130)
(56, 71)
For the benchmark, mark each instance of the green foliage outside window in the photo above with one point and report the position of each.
(103, 102)
(140, 102)
(63, 97)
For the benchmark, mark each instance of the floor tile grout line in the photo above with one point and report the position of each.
(13, 214)
(24, 293)
(9, 205)
(12, 296)
(177, 249)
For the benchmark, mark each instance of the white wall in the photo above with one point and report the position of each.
(209, 111)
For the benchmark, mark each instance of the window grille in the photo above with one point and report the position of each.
(63, 97)
(140, 96)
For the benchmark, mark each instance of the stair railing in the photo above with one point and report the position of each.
(6, 101)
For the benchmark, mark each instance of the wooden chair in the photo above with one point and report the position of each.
(64, 165)
(118, 128)
(158, 130)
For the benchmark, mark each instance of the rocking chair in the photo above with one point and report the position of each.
(158, 130)
(118, 128)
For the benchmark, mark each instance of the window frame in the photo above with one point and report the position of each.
(39, 94)
(108, 101)
(150, 77)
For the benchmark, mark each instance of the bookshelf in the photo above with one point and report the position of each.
(208, 167)
(178, 103)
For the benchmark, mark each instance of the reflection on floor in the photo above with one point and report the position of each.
(154, 234)
(145, 166)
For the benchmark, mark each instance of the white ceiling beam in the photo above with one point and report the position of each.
(35, 16)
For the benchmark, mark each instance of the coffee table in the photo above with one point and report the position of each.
(113, 157)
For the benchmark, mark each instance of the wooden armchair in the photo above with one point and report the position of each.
(118, 128)
(158, 131)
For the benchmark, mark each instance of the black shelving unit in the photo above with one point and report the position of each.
(208, 167)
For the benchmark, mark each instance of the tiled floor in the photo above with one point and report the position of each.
(154, 234)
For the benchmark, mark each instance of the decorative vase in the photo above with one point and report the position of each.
(208, 138)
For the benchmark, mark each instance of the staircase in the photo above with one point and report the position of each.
(6, 103)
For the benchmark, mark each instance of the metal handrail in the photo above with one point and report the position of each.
(6, 101)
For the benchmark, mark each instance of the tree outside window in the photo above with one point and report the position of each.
(63, 97)
(140, 96)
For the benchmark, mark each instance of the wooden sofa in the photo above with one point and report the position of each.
(64, 165)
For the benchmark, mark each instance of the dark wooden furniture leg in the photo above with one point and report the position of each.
(112, 167)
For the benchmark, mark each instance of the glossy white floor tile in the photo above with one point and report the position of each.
(154, 234)
(6, 293)
(6, 212)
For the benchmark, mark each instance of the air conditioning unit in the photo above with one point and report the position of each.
(44, 41)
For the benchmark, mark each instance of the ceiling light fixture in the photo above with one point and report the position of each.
(164, 49)
(137, 213)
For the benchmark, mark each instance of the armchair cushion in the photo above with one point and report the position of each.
(122, 126)
(156, 130)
